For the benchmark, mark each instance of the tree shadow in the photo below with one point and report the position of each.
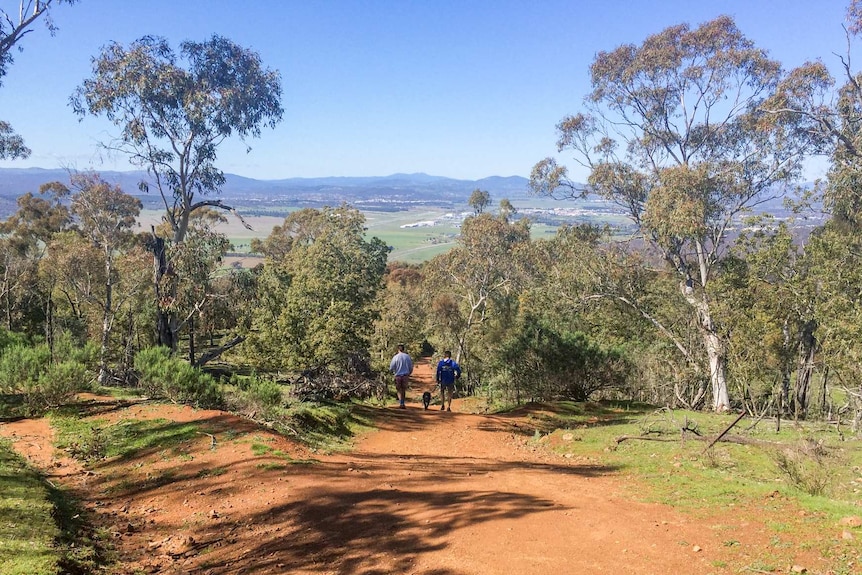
(372, 532)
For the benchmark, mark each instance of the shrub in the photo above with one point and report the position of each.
(58, 383)
(809, 466)
(539, 362)
(162, 375)
(265, 392)
(255, 395)
(11, 338)
(21, 366)
(28, 371)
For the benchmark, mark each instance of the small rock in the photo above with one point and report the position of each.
(798, 569)
(568, 436)
(696, 549)
(850, 521)
(846, 535)
(213, 514)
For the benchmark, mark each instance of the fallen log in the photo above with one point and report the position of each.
(736, 439)
(723, 433)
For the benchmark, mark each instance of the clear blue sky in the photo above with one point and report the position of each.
(458, 88)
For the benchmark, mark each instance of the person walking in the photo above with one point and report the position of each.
(401, 366)
(448, 371)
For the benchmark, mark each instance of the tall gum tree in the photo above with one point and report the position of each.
(107, 217)
(172, 120)
(468, 284)
(673, 132)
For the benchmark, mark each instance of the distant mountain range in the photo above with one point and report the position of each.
(396, 187)
(383, 193)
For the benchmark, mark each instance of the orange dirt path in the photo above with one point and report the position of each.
(428, 492)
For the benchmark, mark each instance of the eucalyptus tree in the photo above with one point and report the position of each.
(317, 292)
(402, 314)
(197, 263)
(14, 26)
(807, 101)
(673, 131)
(828, 110)
(107, 217)
(172, 120)
(23, 238)
(479, 200)
(470, 285)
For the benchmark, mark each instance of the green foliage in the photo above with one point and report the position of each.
(479, 200)
(317, 292)
(327, 426)
(27, 529)
(402, 315)
(265, 392)
(540, 363)
(162, 375)
(258, 396)
(11, 338)
(172, 118)
(43, 383)
(471, 292)
(662, 144)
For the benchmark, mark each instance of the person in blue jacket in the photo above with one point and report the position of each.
(448, 371)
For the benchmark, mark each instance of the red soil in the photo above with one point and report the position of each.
(428, 492)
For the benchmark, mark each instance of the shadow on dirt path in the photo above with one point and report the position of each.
(429, 492)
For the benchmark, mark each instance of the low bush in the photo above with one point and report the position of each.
(43, 383)
(162, 375)
(255, 396)
(809, 466)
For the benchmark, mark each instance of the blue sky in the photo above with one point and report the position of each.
(461, 88)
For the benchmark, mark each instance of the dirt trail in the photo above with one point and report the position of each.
(430, 492)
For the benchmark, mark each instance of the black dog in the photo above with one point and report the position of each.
(426, 399)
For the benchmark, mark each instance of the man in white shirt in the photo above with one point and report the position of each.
(401, 366)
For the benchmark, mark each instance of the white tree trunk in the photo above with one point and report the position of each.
(717, 372)
(715, 349)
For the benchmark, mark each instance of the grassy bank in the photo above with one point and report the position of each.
(803, 481)
(27, 528)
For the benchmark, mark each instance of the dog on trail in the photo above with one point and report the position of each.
(426, 399)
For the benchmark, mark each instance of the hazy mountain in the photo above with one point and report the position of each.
(418, 187)
(393, 192)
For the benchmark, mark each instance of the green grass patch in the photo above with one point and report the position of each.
(42, 529)
(94, 439)
(27, 528)
(682, 474)
(328, 426)
(211, 472)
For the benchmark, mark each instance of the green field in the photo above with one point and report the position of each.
(409, 244)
